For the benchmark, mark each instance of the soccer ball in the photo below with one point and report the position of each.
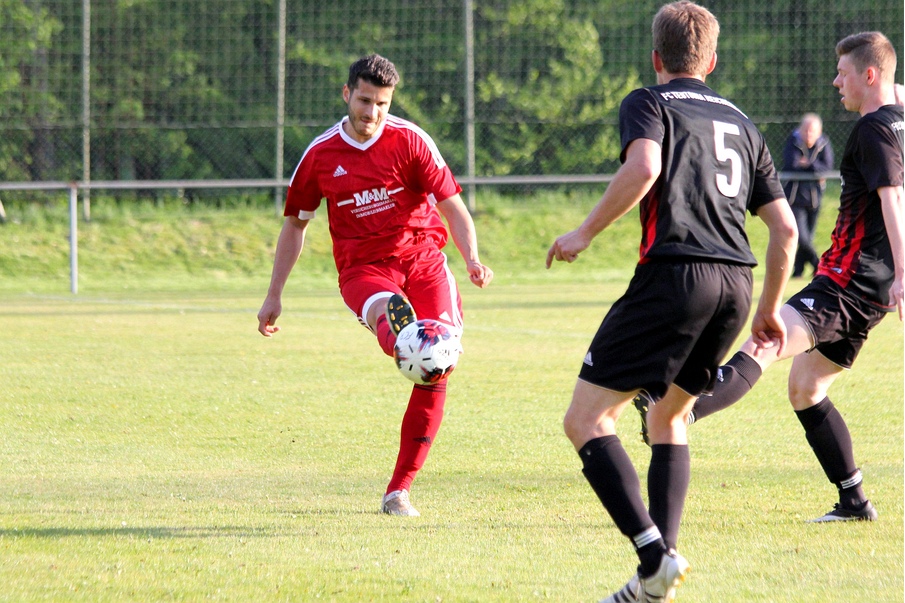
(427, 351)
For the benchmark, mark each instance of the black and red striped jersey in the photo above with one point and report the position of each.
(860, 258)
(716, 166)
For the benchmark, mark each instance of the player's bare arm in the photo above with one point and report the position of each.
(634, 178)
(767, 327)
(289, 247)
(462, 229)
(892, 200)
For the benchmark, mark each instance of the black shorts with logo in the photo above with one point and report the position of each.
(674, 324)
(839, 322)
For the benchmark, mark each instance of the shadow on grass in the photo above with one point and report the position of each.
(141, 532)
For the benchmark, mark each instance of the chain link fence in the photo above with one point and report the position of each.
(151, 90)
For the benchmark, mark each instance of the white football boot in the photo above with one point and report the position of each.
(397, 503)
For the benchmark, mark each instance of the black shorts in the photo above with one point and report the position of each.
(839, 322)
(674, 324)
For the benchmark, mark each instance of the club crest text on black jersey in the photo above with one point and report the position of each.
(716, 166)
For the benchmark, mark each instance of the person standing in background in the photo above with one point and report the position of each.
(807, 150)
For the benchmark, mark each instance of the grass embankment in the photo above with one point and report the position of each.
(171, 246)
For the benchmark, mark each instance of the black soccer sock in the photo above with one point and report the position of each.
(828, 435)
(649, 557)
(734, 380)
(667, 487)
(611, 474)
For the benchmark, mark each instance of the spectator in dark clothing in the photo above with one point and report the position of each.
(807, 150)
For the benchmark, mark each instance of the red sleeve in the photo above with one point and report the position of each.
(435, 177)
(304, 194)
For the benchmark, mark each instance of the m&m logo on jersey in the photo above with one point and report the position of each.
(370, 196)
(376, 199)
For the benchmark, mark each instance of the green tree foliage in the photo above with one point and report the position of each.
(188, 89)
(160, 82)
(26, 100)
(541, 77)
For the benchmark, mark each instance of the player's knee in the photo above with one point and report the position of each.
(803, 394)
(578, 427)
(571, 426)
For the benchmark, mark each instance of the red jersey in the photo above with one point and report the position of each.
(381, 194)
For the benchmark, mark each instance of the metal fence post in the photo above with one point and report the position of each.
(281, 104)
(73, 237)
(86, 106)
(469, 102)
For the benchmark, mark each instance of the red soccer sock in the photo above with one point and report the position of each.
(385, 336)
(419, 428)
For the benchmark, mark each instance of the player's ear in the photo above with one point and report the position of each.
(712, 64)
(657, 61)
(347, 94)
(871, 75)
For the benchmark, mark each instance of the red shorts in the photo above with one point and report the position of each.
(423, 277)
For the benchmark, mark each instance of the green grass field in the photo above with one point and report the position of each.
(153, 446)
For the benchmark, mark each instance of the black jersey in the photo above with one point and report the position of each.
(860, 258)
(716, 165)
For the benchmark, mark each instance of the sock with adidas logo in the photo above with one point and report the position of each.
(737, 378)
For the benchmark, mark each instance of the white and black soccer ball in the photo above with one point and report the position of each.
(427, 351)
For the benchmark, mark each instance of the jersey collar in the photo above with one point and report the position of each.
(362, 146)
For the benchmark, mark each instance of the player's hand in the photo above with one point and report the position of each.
(268, 315)
(567, 247)
(897, 296)
(768, 331)
(479, 274)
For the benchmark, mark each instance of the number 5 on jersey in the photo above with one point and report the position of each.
(727, 186)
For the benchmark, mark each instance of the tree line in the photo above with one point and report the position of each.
(189, 89)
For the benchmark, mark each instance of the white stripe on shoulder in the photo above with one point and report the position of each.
(398, 122)
(327, 135)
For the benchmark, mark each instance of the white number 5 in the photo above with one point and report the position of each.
(727, 186)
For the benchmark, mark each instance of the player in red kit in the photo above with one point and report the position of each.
(386, 186)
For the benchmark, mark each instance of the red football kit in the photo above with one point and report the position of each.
(380, 194)
(386, 231)
(387, 235)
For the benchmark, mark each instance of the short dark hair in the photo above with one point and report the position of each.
(375, 70)
(870, 49)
